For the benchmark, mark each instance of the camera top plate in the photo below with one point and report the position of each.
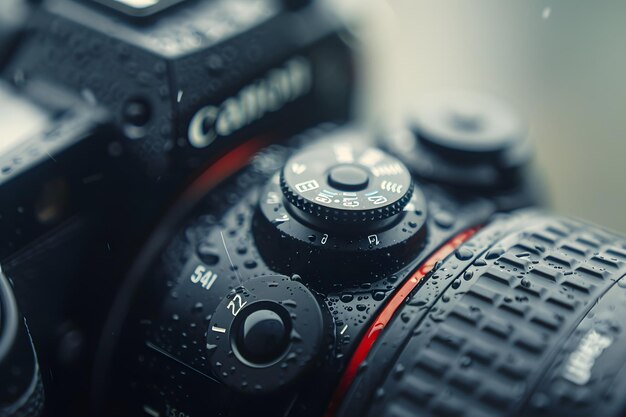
(179, 32)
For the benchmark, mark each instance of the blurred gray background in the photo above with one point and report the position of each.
(561, 64)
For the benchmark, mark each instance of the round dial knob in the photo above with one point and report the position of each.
(266, 334)
(346, 184)
(263, 335)
(468, 123)
(338, 214)
(463, 139)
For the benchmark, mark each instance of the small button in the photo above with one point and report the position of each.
(262, 337)
(348, 178)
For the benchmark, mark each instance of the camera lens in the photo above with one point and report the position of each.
(526, 319)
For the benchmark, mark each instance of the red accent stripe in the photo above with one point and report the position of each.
(386, 315)
(225, 166)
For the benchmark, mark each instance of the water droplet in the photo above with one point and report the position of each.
(295, 336)
(480, 262)
(444, 219)
(399, 370)
(378, 295)
(465, 361)
(289, 303)
(346, 298)
(463, 254)
(207, 254)
(468, 275)
(494, 253)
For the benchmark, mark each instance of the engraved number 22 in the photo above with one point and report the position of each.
(236, 304)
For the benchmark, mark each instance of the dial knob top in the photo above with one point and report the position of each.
(468, 123)
(346, 183)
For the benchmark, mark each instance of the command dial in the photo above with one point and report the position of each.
(340, 214)
(267, 334)
(345, 183)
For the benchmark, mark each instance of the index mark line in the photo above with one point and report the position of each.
(230, 259)
(218, 329)
(175, 359)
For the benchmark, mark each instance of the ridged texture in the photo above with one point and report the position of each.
(484, 344)
(344, 216)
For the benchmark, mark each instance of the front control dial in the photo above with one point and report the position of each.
(340, 214)
(345, 184)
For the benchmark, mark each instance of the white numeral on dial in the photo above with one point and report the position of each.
(206, 278)
(236, 304)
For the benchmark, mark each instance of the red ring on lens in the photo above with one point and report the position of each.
(387, 313)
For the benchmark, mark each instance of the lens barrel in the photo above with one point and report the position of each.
(522, 320)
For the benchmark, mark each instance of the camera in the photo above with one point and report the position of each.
(193, 225)
(397, 272)
(111, 112)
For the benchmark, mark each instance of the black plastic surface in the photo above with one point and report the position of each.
(159, 325)
(21, 391)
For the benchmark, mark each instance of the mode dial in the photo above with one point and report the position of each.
(340, 214)
(345, 183)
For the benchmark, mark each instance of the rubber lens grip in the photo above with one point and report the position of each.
(504, 327)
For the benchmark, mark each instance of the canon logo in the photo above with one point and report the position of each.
(580, 363)
(268, 94)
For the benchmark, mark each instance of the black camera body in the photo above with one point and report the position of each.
(191, 227)
(105, 98)
(332, 278)
(238, 251)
